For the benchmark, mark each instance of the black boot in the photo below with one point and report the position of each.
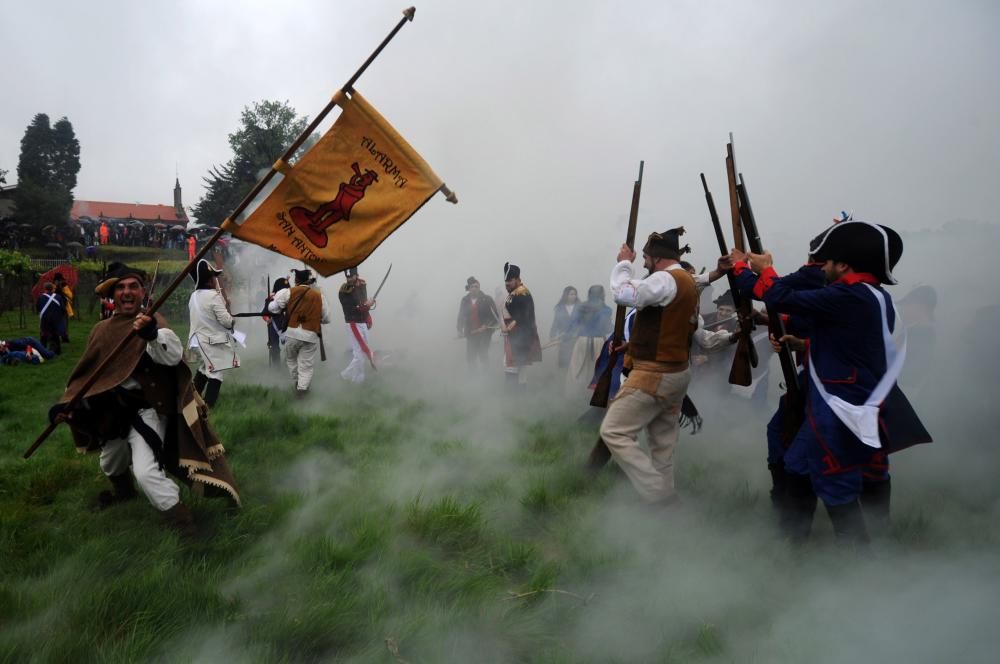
(212, 391)
(200, 380)
(179, 517)
(122, 490)
(875, 499)
(849, 523)
(779, 485)
(800, 505)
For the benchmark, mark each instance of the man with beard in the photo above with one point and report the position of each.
(477, 319)
(853, 406)
(305, 311)
(666, 301)
(521, 344)
(211, 331)
(142, 411)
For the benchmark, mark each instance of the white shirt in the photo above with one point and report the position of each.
(165, 349)
(657, 290)
(711, 341)
(280, 303)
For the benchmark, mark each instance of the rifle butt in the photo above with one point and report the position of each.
(599, 456)
(740, 373)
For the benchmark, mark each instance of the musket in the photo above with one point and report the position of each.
(600, 454)
(740, 372)
(746, 352)
(267, 294)
(794, 411)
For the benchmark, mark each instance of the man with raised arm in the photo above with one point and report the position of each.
(666, 300)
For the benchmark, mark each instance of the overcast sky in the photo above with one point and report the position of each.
(537, 113)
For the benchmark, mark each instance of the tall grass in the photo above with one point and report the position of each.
(343, 552)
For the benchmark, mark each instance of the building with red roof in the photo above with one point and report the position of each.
(149, 214)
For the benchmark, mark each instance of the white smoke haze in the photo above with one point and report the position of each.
(537, 115)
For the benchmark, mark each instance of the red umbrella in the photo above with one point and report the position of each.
(66, 270)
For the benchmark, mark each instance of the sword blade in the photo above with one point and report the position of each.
(379, 289)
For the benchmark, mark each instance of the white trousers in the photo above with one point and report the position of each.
(300, 356)
(118, 454)
(357, 335)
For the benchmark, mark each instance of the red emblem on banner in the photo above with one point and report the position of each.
(313, 224)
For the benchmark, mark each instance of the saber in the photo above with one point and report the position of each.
(379, 289)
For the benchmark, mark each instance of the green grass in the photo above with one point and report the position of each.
(380, 525)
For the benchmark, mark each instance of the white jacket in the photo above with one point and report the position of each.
(211, 330)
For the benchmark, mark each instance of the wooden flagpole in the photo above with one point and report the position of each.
(288, 154)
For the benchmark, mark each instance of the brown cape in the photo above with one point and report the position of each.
(194, 445)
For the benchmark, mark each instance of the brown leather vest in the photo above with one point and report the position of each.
(305, 308)
(663, 334)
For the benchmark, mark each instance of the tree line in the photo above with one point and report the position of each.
(50, 161)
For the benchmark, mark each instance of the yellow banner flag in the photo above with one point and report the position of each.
(346, 195)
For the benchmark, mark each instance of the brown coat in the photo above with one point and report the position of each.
(191, 449)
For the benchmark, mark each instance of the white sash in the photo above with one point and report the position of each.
(52, 298)
(863, 420)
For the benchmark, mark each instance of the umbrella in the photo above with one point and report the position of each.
(66, 270)
(159, 227)
(74, 244)
(54, 245)
(137, 223)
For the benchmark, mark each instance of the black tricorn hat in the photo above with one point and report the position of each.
(470, 281)
(279, 284)
(725, 300)
(866, 247)
(203, 273)
(116, 272)
(666, 244)
(305, 276)
(511, 271)
(351, 272)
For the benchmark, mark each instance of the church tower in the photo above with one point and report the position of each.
(178, 205)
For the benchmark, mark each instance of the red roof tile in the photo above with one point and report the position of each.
(149, 213)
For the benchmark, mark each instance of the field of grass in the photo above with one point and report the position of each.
(391, 525)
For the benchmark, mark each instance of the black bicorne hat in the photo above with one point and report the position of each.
(351, 272)
(511, 271)
(306, 276)
(866, 247)
(203, 273)
(279, 284)
(470, 281)
(666, 244)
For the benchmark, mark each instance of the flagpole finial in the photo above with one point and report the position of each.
(449, 195)
(409, 12)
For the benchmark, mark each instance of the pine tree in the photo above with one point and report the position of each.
(266, 130)
(46, 172)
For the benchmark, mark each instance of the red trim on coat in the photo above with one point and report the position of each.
(852, 278)
(765, 281)
(739, 267)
